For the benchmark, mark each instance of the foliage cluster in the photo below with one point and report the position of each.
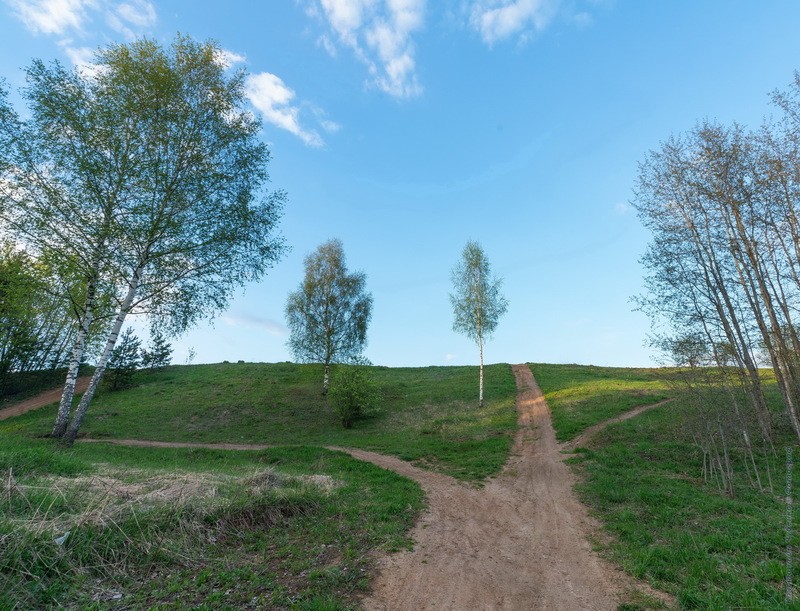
(35, 321)
(477, 302)
(723, 205)
(328, 315)
(142, 186)
(353, 393)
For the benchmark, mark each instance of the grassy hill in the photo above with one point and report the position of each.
(295, 526)
(290, 527)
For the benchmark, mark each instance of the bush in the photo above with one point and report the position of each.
(353, 393)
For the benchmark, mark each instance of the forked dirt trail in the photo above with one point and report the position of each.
(520, 543)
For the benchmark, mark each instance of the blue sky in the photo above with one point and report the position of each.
(407, 127)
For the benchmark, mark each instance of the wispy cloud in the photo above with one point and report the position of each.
(52, 16)
(228, 59)
(248, 320)
(276, 103)
(497, 20)
(379, 32)
(622, 208)
(69, 18)
(131, 18)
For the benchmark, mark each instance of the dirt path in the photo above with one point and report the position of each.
(40, 400)
(520, 543)
(590, 432)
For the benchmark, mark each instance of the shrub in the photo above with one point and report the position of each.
(353, 393)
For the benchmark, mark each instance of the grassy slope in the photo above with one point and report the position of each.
(287, 548)
(643, 478)
(427, 414)
(580, 396)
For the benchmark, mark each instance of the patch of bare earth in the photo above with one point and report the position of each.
(41, 400)
(521, 542)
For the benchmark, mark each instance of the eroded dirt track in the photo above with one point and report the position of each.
(45, 398)
(519, 543)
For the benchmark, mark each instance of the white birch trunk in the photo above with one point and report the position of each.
(326, 381)
(83, 406)
(480, 384)
(65, 406)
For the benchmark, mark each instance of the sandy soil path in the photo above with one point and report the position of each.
(45, 398)
(581, 439)
(519, 543)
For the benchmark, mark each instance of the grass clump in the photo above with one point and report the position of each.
(279, 528)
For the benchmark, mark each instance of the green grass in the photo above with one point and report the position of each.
(264, 538)
(643, 479)
(428, 415)
(580, 396)
(290, 545)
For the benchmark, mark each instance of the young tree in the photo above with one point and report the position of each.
(477, 302)
(145, 180)
(159, 354)
(125, 359)
(328, 315)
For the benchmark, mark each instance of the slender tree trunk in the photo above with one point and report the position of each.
(83, 406)
(65, 406)
(480, 384)
(326, 380)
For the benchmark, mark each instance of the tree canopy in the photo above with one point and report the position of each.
(477, 302)
(329, 313)
(143, 183)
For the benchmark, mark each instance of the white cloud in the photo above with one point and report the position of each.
(497, 20)
(51, 16)
(275, 101)
(82, 57)
(248, 320)
(130, 18)
(449, 357)
(59, 17)
(227, 58)
(622, 208)
(139, 13)
(379, 32)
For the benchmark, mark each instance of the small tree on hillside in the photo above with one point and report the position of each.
(328, 315)
(160, 352)
(125, 360)
(477, 302)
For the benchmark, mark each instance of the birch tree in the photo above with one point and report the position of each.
(147, 178)
(329, 314)
(477, 302)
